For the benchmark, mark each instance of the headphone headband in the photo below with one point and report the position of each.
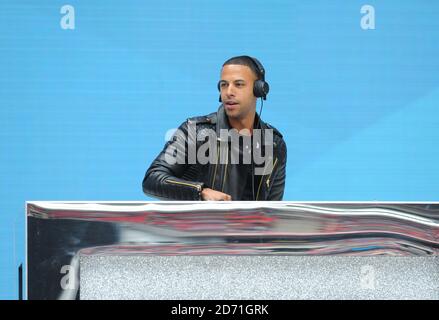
(258, 66)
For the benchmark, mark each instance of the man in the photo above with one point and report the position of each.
(251, 170)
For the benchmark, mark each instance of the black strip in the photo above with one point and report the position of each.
(20, 282)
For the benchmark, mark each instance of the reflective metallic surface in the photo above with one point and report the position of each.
(59, 233)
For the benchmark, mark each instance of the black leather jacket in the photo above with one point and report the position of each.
(185, 181)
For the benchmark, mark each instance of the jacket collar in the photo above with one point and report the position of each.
(222, 121)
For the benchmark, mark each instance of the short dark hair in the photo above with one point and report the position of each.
(245, 61)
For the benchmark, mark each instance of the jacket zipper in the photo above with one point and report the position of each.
(197, 186)
(225, 172)
(268, 180)
(216, 166)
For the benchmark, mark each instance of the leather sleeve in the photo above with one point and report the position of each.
(277, 190)
(163, 178)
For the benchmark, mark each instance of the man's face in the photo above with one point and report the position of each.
(236, 87)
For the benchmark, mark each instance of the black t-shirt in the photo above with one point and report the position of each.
(251, 182)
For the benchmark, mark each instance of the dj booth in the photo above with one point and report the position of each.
(232, 250)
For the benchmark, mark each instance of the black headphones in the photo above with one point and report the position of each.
(260, 86)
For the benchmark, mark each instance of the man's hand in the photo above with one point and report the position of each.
(213, 195)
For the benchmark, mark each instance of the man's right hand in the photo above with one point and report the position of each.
(208, 194)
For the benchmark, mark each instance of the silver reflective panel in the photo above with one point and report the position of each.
(71, 244)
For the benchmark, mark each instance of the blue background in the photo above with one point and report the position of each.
(83, 112)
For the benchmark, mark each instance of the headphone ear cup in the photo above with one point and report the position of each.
(260, 89)
(266, 89)
(219, 89)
